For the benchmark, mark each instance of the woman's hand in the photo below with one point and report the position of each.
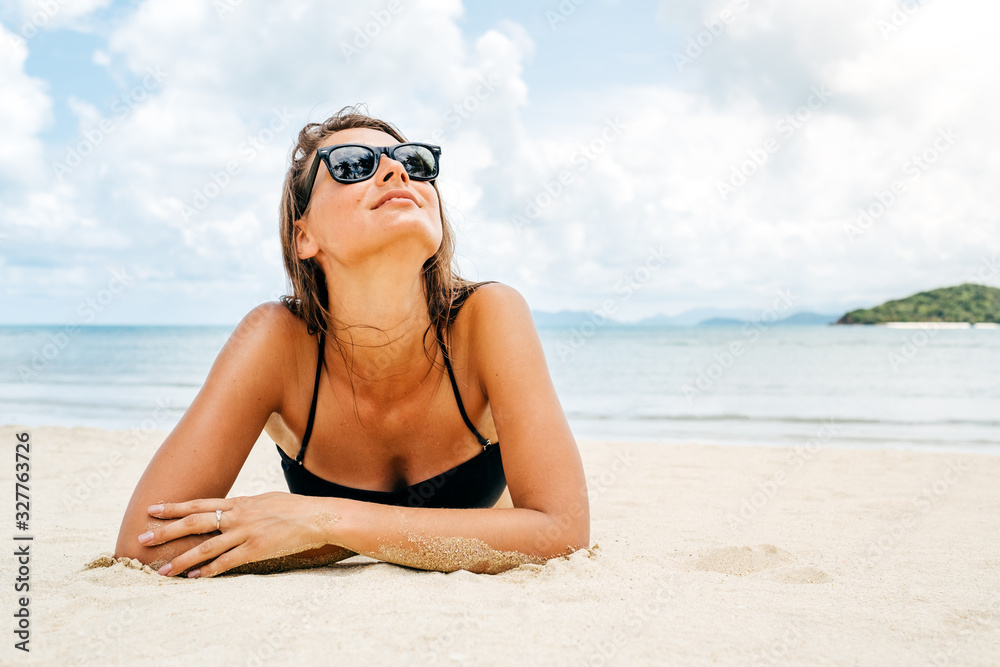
(250, 528)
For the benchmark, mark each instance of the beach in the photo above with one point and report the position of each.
(701, 554)
(746, 253)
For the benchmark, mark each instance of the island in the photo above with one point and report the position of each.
(967, 303)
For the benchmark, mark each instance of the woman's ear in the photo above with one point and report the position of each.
(305, 246)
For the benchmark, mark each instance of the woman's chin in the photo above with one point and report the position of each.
(413, 225)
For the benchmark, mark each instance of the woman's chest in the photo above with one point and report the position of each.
(373, 443)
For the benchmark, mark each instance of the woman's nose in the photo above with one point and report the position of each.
(388, 168)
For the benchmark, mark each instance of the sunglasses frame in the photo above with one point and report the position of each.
(302, 199)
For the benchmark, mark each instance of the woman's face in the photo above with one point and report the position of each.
(388, 216)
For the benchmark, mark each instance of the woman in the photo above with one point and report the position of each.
(381, 371)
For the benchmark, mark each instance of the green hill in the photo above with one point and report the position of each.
(963, 303)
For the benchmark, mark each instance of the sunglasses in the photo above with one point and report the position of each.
(353, 163)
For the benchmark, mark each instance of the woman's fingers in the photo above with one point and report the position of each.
(195, 517)
(233, 546)
(227, 561)
(206, 551)
(176, 510)
(192, 524)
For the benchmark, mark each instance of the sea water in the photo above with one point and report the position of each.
(846, 386)
(785, 386)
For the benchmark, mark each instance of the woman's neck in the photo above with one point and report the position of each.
(379, 326)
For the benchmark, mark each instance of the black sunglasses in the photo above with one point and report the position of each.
(353, 163)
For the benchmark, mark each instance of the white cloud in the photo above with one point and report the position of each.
(50, 14)
(89, 116)
(233, 92)
(101, 58)
(786, 225)
(653, 184)
(25, 111)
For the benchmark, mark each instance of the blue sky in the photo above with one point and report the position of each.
(843, 153)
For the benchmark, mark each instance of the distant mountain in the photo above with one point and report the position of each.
(574, 318)
(808, 318)
(802, 319)
(963, 303)
(702, 317)
(696, 316)
(567, 318)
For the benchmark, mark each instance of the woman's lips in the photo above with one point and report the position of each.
(395, 197)
(397, 200)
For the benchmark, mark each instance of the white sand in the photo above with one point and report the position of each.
(857, 557)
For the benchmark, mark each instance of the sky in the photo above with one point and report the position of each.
(630, 158)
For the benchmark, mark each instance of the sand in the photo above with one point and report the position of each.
(702, 555)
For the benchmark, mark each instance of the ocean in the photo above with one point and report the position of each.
(840, 386)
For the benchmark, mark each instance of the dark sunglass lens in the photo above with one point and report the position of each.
(418, 161)
(352, 163)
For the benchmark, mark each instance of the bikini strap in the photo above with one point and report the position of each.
(485, 442)
(312, 409)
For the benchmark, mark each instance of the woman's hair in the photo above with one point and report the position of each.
(444, 288)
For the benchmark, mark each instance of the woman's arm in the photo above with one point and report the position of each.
(551, 514)
(478, 540)
(206, 450)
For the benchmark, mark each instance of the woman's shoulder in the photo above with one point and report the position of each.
(493, 302)
(494, 316)
(275, 314)
(270, 329)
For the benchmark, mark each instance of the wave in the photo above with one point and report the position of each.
(764, 419)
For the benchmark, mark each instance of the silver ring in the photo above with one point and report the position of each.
(218, 520)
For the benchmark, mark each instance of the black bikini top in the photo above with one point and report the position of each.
(479, 482)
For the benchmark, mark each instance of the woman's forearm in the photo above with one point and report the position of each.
(321, 557)
(158, 555)
(478, 540)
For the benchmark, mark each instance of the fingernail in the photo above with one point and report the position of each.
(165, 570)
(154, 509)
(146, 537)
(194, 574)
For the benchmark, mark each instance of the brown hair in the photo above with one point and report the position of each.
(309, 300)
